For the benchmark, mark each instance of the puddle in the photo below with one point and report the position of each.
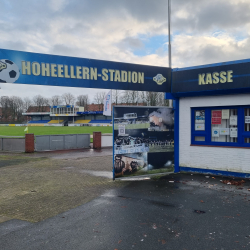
(106, 174)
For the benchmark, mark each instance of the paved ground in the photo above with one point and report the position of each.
(173, 212)
(34, 187)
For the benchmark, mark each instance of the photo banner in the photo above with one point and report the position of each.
(143, 140)
(43, 69)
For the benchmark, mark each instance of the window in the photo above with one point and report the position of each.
(221, 126)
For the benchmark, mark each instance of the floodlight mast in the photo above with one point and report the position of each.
(169, 34)
(170, 102)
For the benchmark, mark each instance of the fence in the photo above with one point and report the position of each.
(12, 144)
(107, 140)
(61, 142)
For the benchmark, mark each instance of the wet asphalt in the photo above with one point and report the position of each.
(178, 211)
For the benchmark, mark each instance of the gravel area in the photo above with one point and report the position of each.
(34, 188)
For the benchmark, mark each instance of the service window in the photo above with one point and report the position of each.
(224, 125)
(221, 126)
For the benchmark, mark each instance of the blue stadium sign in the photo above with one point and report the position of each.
(221, 78)
(42, 69)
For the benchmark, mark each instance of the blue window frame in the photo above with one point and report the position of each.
(209, 129)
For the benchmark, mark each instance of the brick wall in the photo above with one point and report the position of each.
(216, 158)
(97, 140)
(29, 143)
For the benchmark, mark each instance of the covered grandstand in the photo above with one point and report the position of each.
(68, 115)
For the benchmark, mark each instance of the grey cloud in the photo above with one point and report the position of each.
(38, 16)
(208, 15)
(130, 43)
(14, 45)
(142, 10)
(211, 53)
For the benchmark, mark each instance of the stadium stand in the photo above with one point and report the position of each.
(100, 121)
(56, 121)
(40, 121)
(82, 121)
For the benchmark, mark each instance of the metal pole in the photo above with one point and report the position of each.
(169, 33)
(169, 44)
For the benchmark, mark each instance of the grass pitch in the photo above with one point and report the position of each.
(19, 131)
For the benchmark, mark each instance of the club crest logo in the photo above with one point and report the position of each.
(9, 72)
(159, 79)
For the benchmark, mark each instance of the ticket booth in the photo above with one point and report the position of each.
(213, 119)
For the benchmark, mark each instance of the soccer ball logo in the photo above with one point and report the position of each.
(9, 72)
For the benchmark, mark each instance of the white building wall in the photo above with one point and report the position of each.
(215, 158)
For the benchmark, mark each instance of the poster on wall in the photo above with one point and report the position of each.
(216, 117)
(247, 119)
(199, 126)
(143, 140)
(215, 132)
(216, 120)
(225, 113)
(200, 116)
(224, 131)
(233, 120)
(234, 132)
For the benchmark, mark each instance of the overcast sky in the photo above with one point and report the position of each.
(132, 31)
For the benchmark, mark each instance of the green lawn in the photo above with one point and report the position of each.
(19, 131)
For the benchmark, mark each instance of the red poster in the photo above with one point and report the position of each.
(216, 120)
(216, 113)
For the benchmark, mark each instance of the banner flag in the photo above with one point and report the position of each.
(107, 104)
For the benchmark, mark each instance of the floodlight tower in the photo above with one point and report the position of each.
(169, 44)
(169, 34)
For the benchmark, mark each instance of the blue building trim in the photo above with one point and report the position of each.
(90, 113)
(176, 136)
(212, 65)
(212, 92)
(113, 144)
(169, 96)
(214, 172)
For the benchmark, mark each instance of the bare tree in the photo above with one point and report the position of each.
(40, 102)
(68, 98)
(142, 98)
(126, 97)
(12, 108)
(17, 107)
(83, 100)
(133, 97)
(116, 96)
(99, 99)
(56, 100)
(161, 100)
(6, 113)
(26, 103)
(155, 99)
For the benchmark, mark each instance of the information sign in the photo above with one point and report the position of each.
(200, 116)
(215, 132)
(225, 113)
(247, 119)
(216, 117)
(216, 120)
(224, 131)
(200, 126)
(234, 132)
(233, 120)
